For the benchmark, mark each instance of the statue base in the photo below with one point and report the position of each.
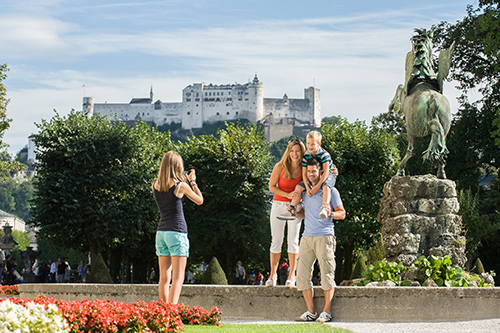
(419, 217)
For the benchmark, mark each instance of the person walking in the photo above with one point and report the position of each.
(284, 178)
(240, 273)
(317, 243)
(172, 243)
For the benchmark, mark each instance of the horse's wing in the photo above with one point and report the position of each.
(444, 65)
(408, 68)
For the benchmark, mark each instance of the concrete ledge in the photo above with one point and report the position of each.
(376, 304)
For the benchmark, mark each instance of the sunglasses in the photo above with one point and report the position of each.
(296, 141)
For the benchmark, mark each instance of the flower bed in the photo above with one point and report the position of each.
(9, 290)
(110, 316)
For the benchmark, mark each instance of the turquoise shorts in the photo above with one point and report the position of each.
(172, 244)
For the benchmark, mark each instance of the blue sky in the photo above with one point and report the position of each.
(353, 51)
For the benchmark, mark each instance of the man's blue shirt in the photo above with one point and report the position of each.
(313, 224)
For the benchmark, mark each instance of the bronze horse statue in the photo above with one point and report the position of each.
(426, 110)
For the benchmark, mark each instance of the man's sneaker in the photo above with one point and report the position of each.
(324, 317)
(323, 213)
(289, 215)
(307, 316)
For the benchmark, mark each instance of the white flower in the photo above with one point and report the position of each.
(32, 318)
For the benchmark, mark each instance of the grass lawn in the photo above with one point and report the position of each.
(265, 328)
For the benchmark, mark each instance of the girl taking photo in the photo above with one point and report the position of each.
(172, 244)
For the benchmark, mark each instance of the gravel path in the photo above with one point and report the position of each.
(473, 326)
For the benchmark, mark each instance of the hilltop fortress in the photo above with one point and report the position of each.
(202, 103)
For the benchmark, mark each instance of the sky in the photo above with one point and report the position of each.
(60, 51)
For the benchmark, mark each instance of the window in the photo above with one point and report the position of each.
(227, 112)
(189, 113)
(217, 113)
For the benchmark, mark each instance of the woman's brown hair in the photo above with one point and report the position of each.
(286, 161)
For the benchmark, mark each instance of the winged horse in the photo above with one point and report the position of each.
(426, 110)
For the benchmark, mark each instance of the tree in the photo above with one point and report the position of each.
(15, 198)
(6, 163)
(367, 158)
(232, 169)
(93, 186)
(394, 124)
(475, 66)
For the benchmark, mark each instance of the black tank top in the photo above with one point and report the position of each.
(171, 212)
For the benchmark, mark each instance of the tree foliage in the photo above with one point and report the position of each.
(15, 198)
(6, 163)
(475, 66)
(93, 189)
(232, 169)
(367, 158)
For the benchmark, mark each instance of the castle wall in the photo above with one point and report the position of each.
(202, 103)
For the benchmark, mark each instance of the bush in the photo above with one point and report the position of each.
(359, 267)
(478, 267)
(214, 273)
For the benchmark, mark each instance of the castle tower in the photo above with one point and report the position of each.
(313, 95)
(256, 92)
(88, 106)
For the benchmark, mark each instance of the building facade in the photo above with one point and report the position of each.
(208, 103)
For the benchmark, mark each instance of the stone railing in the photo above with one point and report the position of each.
(382, 304)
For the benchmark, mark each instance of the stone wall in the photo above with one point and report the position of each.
(361, 304)
(419, 217)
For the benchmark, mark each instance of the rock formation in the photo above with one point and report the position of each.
(419, 217)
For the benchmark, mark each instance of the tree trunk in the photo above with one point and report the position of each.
(115, 262)
(140, 270)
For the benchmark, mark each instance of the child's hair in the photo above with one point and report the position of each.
(286, 161)
(171, 168)
(315, 135)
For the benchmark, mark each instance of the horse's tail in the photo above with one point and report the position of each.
(395, 104)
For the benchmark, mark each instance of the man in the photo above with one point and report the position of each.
(53, 271)
(318, 242)
(61, 270)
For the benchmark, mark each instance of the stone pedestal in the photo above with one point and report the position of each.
(419, 217)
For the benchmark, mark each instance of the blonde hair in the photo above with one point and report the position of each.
(315, 135)
(286, 161)
(171, 169)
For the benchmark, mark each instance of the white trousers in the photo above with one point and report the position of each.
(278, 229)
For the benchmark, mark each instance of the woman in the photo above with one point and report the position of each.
(286, 174)
(172, 244)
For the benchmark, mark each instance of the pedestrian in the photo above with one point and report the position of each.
(240, 273)
(172, 244)
(52, 271)
(284, 178)
(82, 272)
(317, 243)
(61, 270)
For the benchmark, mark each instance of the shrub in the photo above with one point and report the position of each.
(478, 267)
(214, 273)
(359, 267)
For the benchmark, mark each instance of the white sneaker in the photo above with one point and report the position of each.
(307, 316)
(323, 213)
(324, 317)
(271, 283)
